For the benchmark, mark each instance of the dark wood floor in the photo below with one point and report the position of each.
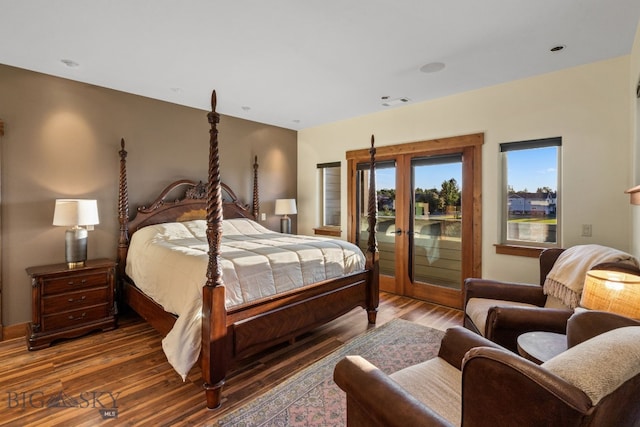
(126, 370)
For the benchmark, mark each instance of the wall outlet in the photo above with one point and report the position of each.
(586, 230)
(263, 217)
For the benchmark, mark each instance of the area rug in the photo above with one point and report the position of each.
(311, 398)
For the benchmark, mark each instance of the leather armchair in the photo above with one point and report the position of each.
(496, 387)
(501, 311)
(500, 320)
(374, 399)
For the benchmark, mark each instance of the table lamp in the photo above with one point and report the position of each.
(81, 215)
(285, 207)
(612, 291)
(634, 195)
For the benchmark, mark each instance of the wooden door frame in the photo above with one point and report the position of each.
(471, 148)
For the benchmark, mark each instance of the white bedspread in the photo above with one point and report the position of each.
(168, 262)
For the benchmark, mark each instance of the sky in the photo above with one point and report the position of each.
(533, 169)
(527, 170)
(426, 176)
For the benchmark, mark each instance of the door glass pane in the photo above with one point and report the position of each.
(436, 237)
(386, 225)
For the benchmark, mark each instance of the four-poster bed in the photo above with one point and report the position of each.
(230, 331)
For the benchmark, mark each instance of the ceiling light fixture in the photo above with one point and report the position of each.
(393, 102)
(432, 67)
(70, 63)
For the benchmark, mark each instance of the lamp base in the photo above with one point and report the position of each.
(75, 245)
(285, 225)
(72, 265)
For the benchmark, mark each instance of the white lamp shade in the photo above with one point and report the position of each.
(286, 206)
(71, 212)
(612, 291)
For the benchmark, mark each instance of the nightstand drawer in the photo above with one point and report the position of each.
(74, 300)
(73, 282)
(74, 318)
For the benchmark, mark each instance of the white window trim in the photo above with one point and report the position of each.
(504, 206)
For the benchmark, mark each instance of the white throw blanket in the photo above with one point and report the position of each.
(168, 262)
(566, 278)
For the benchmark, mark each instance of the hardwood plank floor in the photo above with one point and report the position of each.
(125, 370)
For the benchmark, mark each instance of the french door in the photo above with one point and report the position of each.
(429, 216)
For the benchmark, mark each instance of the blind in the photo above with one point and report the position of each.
(385, 164)
(533, 143)
(437, 160)
(328, 165)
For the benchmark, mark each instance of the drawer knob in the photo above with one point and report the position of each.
(82, 316)
(82, 282)
(82, 298)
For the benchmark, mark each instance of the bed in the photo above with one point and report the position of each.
(229, 327)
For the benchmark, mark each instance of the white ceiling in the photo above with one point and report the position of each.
(302, 63)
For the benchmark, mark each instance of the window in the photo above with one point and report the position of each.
(531, 196)
(330, 193)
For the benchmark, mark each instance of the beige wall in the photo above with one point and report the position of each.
(588, 106)
(62, 140)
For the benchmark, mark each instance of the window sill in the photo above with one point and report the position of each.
(525, 251)
(328, 230)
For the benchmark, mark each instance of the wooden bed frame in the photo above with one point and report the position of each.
(230, 334)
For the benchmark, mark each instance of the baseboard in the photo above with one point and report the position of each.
(14, 331)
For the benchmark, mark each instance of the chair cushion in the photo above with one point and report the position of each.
(601, 364)
(435, 383)
(477, 309)
(553, 302)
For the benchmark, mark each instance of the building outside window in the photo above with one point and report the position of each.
(531, 192)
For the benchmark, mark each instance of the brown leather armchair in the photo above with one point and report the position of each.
(501, 311)
(474, 382)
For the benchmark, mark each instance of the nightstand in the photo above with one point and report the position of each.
(67, 303)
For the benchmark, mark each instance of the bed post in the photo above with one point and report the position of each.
(256, 199)
(123, 216)
(214, 315)
(372, 255)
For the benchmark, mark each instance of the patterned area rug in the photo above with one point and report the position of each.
(311, 398)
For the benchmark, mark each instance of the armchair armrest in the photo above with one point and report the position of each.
(369, 391)
(505, 324)
(621, 267)
(490, 375)
(457, 341)
(584, 325)
(547, 258)
(510, 291)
